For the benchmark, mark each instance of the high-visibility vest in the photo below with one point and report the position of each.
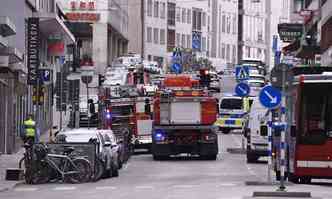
(246, 104)
(30, 128)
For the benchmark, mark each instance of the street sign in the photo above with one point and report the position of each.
(270, 97)
(196, 42)
(242, 72)
(45, 75)
(276, 75)
(176, 68)
(242, 89)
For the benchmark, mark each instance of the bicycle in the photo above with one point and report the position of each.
(65, 167)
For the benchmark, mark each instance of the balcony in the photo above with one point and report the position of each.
(7, 27)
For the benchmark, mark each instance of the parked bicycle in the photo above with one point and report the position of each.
(41, 167)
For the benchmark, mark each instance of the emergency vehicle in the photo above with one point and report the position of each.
(309, 135)
(232, 113)
(183, 120)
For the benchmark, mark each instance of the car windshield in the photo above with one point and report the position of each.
(256, 84)
(316, 117)
(231, 104)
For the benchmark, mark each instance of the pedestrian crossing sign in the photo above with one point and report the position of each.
(242, 72)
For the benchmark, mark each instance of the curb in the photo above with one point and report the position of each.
(236, 150)
(264, 183)
(11, 186)
(282, 194)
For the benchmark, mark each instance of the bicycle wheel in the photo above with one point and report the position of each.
(84, 171)
(40, 174)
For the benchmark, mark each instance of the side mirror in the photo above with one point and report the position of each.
(293, 131)
(264, 130)
(107, 144)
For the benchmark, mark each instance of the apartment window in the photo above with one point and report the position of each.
(183, 41)
(188, 41)
(203, 44)
(184, 15)
(197, 20)
(203, 19)
(234, 24)
(156, 9)
(223, 51)
(223, 23)
(163, 10)
(170, 40)
(189, 16)
(178, 39)
(150, 8)
(155, 35)
(171, 14)
(162, 36)
(219, 50)
(248, 52)
(234, 54)
(149, 34)
(228, 51)
(178, 14)
(228, 24)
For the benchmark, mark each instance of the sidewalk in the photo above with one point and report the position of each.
(11, 161)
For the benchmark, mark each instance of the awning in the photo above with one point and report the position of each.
(51, 24)
(308, 52)
(295, 45)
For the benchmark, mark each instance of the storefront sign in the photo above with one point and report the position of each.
(33, 50)
(76, 16)
(289, 32)
(80, 11)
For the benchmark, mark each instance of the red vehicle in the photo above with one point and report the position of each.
(310, 134)
(183, 120)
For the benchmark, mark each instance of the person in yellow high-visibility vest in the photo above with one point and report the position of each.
(246, 108)
(29, 130)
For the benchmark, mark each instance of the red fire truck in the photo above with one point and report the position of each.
(183, 120)
(309, 137)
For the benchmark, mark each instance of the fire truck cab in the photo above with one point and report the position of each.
(183, 120)
(309, 136)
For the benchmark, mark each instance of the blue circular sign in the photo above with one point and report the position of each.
(242, 89)
(176, 68)
(270, 97)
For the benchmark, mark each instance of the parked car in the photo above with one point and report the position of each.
(106, 164)
(117, 145)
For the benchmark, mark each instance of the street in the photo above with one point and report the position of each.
(175, 178)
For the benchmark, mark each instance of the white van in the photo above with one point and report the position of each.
(257, 140)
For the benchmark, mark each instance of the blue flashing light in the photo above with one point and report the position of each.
(108, 115)
(159, 135)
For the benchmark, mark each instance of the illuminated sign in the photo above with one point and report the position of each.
(290, 32)
(81, 11)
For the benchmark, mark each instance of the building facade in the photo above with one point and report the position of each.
(223, 33)
(18, 100)
(158, 26)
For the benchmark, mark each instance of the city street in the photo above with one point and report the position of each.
(176, 178)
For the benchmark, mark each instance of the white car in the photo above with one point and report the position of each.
(255, 86)
(257, 77)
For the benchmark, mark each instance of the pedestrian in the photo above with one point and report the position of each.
(30, 135)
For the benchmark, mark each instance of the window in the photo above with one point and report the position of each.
(197, 20)
(234, 24)
(316, 118)
(163, 11)
(231, 104)
(189, 16)
(178, 14)
(203, 44)
(248, 51)
(228, 24)
(223, 23)
(150, 8)
(234, 54)
(170, 40)
(171, 14)
(184, 15)
(155, 35)
(149, 35)
(188, 41)
(156, 9)
(162, 36)
(178, 39)
(203, 19)
(228, 51)
(183, 41)
(223, 51)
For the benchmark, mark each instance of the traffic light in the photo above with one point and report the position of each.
(205, 78)
(101, 79)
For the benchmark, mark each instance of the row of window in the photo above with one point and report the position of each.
(159, 9)
(227, 52)
(228, 22)
(158, 35)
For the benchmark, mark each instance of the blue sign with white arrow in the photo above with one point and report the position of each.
(242, 72)
(242, 89)
(176, 68)
(270, 97)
